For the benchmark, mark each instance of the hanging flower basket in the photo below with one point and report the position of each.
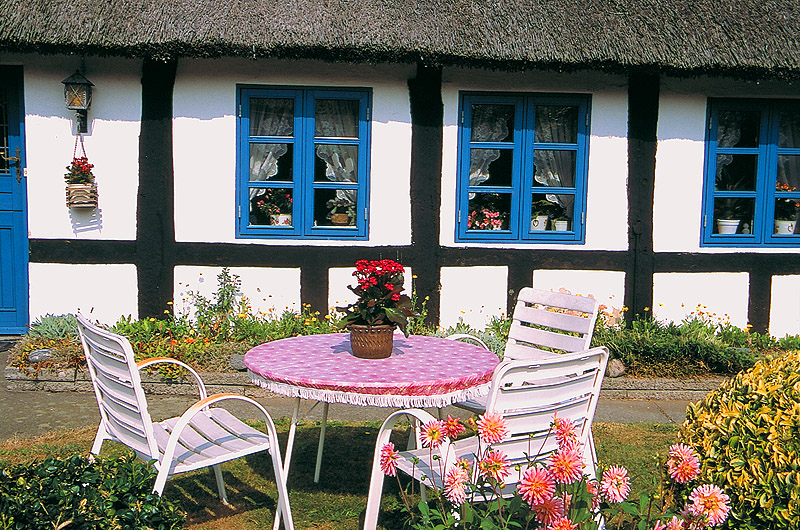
(82, 195)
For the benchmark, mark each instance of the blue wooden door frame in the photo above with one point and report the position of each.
(13, 207)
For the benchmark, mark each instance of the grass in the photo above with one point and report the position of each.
(338, 500)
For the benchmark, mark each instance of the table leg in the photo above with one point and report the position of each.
(287, 459)
(321, 441)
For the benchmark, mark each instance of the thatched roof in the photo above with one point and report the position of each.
(747, 38)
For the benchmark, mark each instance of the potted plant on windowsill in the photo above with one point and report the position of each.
(486, 219)
(81, 186)
(277, 205)
(342, 211)
(379, 309)
(786, 209)
(541, 212)
(728, 215)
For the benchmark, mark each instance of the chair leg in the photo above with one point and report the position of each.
(99, 438)
(374, 496)
(223, 496)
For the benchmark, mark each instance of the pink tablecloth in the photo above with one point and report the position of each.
(422, 371)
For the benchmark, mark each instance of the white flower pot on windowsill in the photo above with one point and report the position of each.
(283, 219)
(727, 226)
(561, 226)
(539, 222)
(783, 227)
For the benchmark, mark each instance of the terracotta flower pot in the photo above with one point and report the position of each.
(371, 342)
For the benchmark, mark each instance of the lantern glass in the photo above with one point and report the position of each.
(77, 92)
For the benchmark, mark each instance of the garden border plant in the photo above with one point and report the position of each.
(207, 330)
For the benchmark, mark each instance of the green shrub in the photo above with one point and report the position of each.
(74, 493)
(695, 346)
(55, 327)
(748, 436)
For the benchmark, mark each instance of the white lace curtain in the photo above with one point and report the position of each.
(334, 118)
(556, 168)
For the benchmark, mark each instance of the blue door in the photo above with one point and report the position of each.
(13, 217)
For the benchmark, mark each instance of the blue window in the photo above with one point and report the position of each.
(752, 173)
(522, 167)
(302, 162)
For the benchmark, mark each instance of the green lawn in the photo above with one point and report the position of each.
(340, 497)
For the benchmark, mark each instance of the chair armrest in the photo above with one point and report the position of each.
(467, 336)
(169, 360)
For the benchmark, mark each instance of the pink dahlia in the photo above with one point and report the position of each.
(566, 466)
(494, 465)
(389, 459)
(492, 428)
(562, 524)
(536, 486)
(683, 464)
(565, 431)
(615, 484)
(594, 491)
(453, 427)
(710, 501)
(432, 434)
(549, 511)
(455, 481)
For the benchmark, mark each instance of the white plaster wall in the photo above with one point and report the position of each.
(105, 292)
(607, 287)
(606, 208)
(269, 290)
(205, 144)
(473, 295)
(112, 145)
(720, 296)
(680, 158)
(784, 314)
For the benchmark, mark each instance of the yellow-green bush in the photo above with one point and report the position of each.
(748, 436)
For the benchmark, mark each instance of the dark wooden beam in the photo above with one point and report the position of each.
(427, 126)
(643, 93)
(155, 209)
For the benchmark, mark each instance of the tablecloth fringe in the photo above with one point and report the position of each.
(375, 400)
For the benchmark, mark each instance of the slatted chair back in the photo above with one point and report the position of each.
(118, 388)
(528, 394)
(547, 322)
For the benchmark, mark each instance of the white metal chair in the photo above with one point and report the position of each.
(203, 436)
(544, 324)
(527, 393)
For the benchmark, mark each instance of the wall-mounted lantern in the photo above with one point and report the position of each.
(78, 97)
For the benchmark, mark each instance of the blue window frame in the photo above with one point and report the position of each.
(752, 173)
(522, 164)
(302, 162)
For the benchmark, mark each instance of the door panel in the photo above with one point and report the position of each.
(13, 216)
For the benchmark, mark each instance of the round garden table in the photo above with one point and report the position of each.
(421, 372)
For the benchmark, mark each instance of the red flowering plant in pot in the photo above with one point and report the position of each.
(81, 186)
(380, 304)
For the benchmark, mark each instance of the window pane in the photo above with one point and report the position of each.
(271, 117)
(490, 167)
(552, 212)
(788, 172)
(554, 168)
(789, 134)
(738, 211)
(334, 207)
(336, 163)
(738, 128)
(271, 162)
(336, 118)
(736, 172)
(556, 124)
(489, 211)
(492, 123)
(271, 206)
